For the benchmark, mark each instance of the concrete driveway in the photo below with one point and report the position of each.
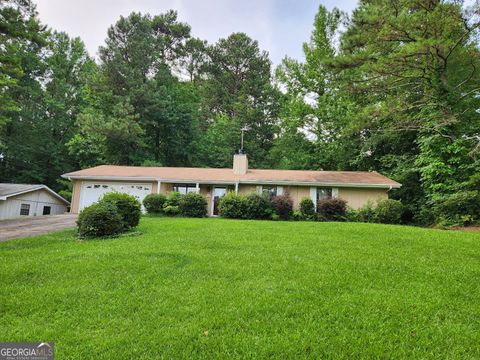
(38, 225)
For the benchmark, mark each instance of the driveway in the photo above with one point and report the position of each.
(38, 225)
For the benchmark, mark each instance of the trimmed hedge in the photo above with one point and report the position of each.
(283, 206)
(307, 209)
(99, 220)
(153, 203)
(233, 206)
(389, 211)
(332, 209)
(171, 207)
(193, 205)
(258, 207)
(127, 206)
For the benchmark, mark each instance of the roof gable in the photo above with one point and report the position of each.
(9, 190)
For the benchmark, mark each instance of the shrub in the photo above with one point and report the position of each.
(258, 207)
(283, 206)
(171, 207)
(193, 205)
(297, 216)
(462, 208)
(128, 207)
(171, 210)
(389, 211)
(233, 206)
(366, 213)
(153, 203)
(307, 209)
(332, 209)
(99, 220)
(173, 199)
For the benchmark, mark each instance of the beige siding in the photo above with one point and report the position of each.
(76, 186)
(357, 197)
(297, 193)
(246, 189)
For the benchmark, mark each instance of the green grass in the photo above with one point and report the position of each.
(212, 288)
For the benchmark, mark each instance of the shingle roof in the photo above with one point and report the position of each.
(10, 189)
(258, 176)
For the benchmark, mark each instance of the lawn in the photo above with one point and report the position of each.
(213, 288)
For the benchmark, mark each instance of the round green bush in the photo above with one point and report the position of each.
(283, 206)
(99, 220)
(153, 203)
(233, 206)
(171, 207)
(389, 211)
(307, 208)
(193, 205)
(258, 207)
(128, 207)
(366, 213)
(332, 209)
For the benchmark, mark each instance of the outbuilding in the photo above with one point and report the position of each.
(22, 200)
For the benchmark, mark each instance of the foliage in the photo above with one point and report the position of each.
(153, 203)
(127, 206)
(283, 206)
(258, 207)
(99, 220)
(389, 211)
(171, 207)
(307, 209)
(193, 205)
(171, 210)
(366, 213)
(233, 206)
(461, 209)
(332, 209)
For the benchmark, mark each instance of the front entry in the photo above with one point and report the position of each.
(218, 193)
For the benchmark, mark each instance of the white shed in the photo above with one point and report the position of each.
(19, 200)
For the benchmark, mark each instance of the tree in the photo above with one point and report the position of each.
(412, 70)
(239, 86)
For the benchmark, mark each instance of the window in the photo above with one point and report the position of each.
(184, 188)
(269, 190)
(25, 209)
(47, 210)
(324, 193)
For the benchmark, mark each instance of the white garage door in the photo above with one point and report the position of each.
(92, 192)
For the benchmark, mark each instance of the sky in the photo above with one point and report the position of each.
(280, 26)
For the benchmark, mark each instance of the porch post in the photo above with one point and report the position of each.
(159, 184)
(197, 188)
(236, 188)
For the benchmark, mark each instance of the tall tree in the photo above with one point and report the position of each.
(314, 111)
(239, 86)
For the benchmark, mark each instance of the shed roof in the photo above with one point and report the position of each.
(8, 190)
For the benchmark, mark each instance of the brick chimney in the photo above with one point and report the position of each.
(240, 164)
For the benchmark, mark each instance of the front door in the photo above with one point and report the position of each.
(218, 193)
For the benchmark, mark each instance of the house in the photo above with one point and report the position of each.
(356, 187)
(19, 200)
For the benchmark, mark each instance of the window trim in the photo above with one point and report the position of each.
(190, 187)
(25, 207)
